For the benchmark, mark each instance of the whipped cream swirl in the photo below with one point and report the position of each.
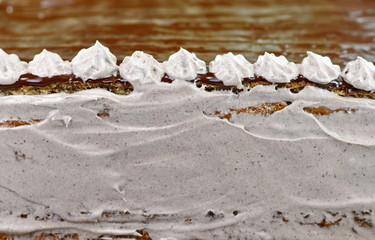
(11, 68)
(360, 74)
(184, 65)
(275, 69)
(319, 69)
(48, 64)
(231, 69)
(141, 68)
(95, 62)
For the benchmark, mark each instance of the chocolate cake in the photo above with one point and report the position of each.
(235, 143)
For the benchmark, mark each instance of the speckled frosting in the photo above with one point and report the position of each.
(11, 68)
(141, 68)
(184, 65)
(275, 69)
(231, 69)
(95, 62)
(360, 74)
(183, 163)
(48, 64)
(319, 69)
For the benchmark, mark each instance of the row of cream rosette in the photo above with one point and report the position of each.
(98, 62)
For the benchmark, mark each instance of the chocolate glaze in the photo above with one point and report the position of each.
(32, 80)
(209, 80)
(340, 29)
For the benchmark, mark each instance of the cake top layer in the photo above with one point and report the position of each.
(98, 63)
(204, 28)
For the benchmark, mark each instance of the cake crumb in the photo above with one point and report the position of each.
(262, 109)
(18, 123)
(4, 236)
(323, 111)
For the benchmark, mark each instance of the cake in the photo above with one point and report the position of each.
(186, 120)
(186, 150)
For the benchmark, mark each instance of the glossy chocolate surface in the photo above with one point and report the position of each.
(341, 29)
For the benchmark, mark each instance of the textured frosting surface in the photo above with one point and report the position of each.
(11, 68)
(275, 69)
(360, 74)
(319, 69)
(184, 65)
(48, 64)
(141, 68)
(94, 63)
(167, 159)
(231, 69)
(97, 62)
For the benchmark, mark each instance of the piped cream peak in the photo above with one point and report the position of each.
(231, 69)
(360, 73)
(48, 64)
(275, 69)
(319, 69)
(184, 65)
(11, 68)
(95, 62)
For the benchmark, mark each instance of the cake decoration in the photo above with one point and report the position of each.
(319, 69)
(231, 69)
(184, 65)
(141, 68)
(48, 64)
(218, 154)
(95, 62)
(11, 67)
(360, 73)
(275, 69)
(48, 73)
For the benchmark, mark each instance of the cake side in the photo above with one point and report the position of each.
(279, 167)
(46, 75)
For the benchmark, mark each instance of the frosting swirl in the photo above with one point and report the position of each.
(11, 68)
(319, 69)
(48, 64)
(184, 65)
(275, 69)
(142, 68)
(95, 62)
(231, 69)
(360, 74)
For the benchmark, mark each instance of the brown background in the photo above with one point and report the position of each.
(341, 29)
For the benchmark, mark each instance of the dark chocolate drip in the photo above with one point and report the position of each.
(208, 80)
(208, 28)
(33, 80)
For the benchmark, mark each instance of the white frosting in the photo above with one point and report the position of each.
(231, 69)
(360, 74)
(11, 68)
(141, 68)
(181, 172)
(95, 62)
(319, 69)
(184, 65)
(275, 69)
(48, 64)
